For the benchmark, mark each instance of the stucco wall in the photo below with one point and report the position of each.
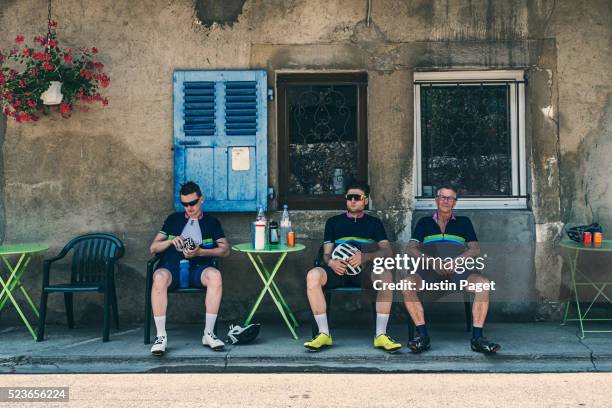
(110, 169)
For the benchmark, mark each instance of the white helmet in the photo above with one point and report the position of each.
(343, 252)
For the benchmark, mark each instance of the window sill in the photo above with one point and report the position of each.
(519, 203)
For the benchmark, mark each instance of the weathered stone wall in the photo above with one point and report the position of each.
(110, 169)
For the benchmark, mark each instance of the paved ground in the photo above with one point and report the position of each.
(529, 347)
(325, 390)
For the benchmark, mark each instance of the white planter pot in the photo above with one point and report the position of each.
(53, 95)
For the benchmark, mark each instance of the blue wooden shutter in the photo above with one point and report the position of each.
(214, 113)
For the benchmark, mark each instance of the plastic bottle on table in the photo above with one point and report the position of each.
(285, 225)
(259, 227)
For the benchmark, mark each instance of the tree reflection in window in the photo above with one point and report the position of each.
(322, 136)
(465, 139)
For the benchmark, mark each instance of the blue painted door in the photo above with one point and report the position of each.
(220, 137)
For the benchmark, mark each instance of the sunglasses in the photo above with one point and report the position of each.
(191, 203)
(356, 197)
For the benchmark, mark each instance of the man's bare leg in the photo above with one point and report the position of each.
(412, 302)
(315, 280)
(211, 280)
(384, 299)
(480, 307)
(162, 278)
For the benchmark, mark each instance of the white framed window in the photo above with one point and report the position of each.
(469, 131)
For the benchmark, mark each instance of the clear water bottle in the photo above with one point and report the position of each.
(261, 217)
(285, 225)
(184, 273)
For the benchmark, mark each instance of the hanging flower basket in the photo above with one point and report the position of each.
(35, 76)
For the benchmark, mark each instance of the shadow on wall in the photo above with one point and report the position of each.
(220, 12)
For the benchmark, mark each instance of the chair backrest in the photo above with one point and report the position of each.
(90, 254)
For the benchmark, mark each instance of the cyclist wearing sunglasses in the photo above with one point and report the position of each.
(205, 231)
(361, 231)
(446, 235)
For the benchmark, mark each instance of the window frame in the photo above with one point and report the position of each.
(515, 79)
(285, 79)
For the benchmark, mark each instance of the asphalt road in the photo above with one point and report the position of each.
(323, 390)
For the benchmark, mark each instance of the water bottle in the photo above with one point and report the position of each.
(184, 273)
(285, 225)
(259, 214)
(339, 181)
(260, 218)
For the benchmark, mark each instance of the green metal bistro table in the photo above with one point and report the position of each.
(267, 278)
(13, 282)
(579, 279)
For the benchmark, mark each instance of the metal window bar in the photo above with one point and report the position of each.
(517, 158)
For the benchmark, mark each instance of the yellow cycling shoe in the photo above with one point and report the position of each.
(320, 341)
(386, 343)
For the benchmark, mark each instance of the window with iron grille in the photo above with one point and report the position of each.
(469, 132)
(322, 137)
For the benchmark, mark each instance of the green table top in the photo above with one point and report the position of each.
(269, 249)
(14, 249)
(606, 246)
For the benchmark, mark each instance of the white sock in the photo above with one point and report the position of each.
(322, 323)
(160, 325)
(209, 326)
(381, 323)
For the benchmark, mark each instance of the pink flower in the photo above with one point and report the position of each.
(31, 103)
(39, 40)
(52, 24)
(19, 39)
(48, 67)
(67, 58)
(22, 83)
(86, 74)
(94, 50)
(26, 51)
(52, 43)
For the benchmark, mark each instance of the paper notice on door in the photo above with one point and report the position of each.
(240, 159)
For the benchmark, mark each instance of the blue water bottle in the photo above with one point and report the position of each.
(184, 273)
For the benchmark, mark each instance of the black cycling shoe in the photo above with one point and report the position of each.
(419, 344)
(482, 345)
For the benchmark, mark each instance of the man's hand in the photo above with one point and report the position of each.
(338, 266)
(190, 253)
(439, 268)
(178, 242)
(355, 260)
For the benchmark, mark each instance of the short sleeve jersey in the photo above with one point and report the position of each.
(358, 231)
(459, 231)
(210, 229)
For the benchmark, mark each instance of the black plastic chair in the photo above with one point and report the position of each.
(151, 267)
(347, 290)
(92, 270)
(358, 290)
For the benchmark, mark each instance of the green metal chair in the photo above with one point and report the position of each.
(151, 267)
(92, 270)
